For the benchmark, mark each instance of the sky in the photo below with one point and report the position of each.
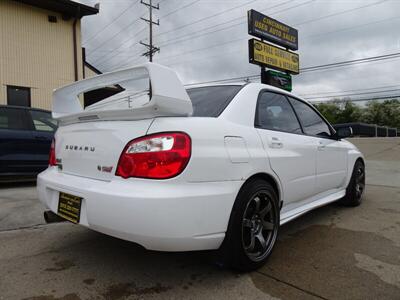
(206, 40)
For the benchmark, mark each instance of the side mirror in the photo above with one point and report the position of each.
(344, 132)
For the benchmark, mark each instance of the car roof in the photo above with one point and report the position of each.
(199, 85)
(24, 107)
(262, 86)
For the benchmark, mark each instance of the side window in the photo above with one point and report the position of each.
(13, 118)
(274, 112)
(312, 123)
(42, 121)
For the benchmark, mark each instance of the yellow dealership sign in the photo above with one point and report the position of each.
(267, 55)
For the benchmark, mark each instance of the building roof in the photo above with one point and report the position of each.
(66, 7)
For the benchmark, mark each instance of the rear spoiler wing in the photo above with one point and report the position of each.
(169, 97)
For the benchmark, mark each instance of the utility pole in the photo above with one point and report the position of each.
(150, 47)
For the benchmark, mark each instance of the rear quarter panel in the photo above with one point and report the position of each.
(213, 145)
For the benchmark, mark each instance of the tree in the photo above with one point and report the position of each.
(386, 113)
(350, 111)
(330, 111)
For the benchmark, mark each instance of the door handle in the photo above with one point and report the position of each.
(276, 143)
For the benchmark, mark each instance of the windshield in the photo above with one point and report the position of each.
(210, 101)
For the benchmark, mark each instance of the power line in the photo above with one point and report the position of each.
(190, 36)
(309, 21)
(377, 98)
(205, 18)
(351, 62)
(197, 20)
(112, 22)
(100, 59)
(353, 90)
(342, 12)
(350, 28)
(305, 38)
(353, 94)
(304, 70)
(228, 42)
(319, 67)
(116, 34)
(140, 31)
(274, 6)
(180, 8)
(237, 40)
(283, 10)
(313, 68)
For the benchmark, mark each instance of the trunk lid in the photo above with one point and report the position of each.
(90, 140)
(92, 149)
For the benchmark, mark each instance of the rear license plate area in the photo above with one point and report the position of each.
(69, 207)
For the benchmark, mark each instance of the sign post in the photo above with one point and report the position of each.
(270, 56)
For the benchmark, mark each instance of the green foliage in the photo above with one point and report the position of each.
(330, 111)
(385, 113)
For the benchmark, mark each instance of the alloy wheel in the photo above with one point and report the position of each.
(259, 226)
(360, 181)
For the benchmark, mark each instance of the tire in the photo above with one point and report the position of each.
(253, 227)
(356, 187)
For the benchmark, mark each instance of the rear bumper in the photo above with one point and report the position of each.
(159, 215)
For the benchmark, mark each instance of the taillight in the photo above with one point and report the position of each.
(52, 155)
(157, 156)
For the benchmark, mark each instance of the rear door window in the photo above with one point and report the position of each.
(14, 119)
(42, 121)
(274, 112)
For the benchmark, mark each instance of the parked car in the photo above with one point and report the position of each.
(25, 139)
(213, 167)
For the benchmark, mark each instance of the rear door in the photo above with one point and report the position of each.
(43, 126)
(331, 153)
(292, 155)
(15, 142)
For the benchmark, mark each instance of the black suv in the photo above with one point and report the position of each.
(25, 139)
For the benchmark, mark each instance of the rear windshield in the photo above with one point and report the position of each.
(210, 101)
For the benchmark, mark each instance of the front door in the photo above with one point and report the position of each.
(331, 154)
(292, 154)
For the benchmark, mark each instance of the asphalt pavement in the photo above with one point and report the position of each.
(330, 253)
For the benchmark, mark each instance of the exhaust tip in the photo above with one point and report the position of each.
(51, 217)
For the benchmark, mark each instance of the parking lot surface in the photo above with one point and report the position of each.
(330, 253)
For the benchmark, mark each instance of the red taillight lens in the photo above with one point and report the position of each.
(157, 156)
(52, 155)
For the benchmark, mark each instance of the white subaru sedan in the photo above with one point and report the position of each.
(210, 167)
